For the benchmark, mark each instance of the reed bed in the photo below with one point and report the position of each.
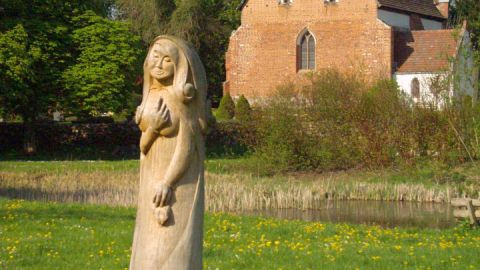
(108, 188)
(224, 192)
(230, 193)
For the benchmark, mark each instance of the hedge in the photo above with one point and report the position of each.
(53, 136)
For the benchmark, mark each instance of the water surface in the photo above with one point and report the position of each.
(382, 213)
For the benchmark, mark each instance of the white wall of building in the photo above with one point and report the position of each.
(404, 81)
(394, 19)
(463, 83)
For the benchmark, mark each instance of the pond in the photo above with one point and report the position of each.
(382, 213)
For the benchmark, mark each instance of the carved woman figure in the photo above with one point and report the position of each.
(169, 224)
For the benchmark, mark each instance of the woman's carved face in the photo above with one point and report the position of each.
(162, 66)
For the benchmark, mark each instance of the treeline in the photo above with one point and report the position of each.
(84, 58)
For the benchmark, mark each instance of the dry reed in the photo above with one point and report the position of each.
(224, 192)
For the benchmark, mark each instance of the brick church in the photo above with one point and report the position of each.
(279, 40)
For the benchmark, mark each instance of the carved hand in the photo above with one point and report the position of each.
(161, 118)
(163, 194)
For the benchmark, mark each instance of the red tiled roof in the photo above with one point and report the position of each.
(423, 7)
(423, 51)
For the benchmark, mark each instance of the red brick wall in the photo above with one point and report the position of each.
(262, 52)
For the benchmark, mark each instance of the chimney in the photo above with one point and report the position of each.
(442, 6)
(416, 22)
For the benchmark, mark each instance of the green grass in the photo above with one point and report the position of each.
(218, 165)
(427, 173)
(37, 235)
(60, 236)
(215, 165)
(64, 166)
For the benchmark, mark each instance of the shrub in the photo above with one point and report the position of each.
(243, 112)
(336, 121)
(226, 109)
(230, 138)
(282, 138)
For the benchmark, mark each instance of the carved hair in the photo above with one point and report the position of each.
(189, 82)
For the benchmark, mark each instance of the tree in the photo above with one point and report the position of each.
(226, 110)
(469, 10)
(242, 110)
(17, 60)
(148, 18)
(223, 17)
(205, 24)
(188, 21)
(104, 72)
(36, 47)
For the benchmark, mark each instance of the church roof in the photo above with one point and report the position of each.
(423, 50)
(422, 7)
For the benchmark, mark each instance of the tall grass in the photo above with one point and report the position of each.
(232, 192)
(109, 188)
(244, 192)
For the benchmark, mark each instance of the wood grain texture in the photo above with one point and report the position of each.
(169, 225)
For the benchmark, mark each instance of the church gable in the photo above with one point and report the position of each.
(277, 43)
(286, 11)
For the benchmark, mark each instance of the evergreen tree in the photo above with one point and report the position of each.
(243, 112)
(226, 110)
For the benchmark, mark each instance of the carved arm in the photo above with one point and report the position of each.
(147, 139)
(182, 155)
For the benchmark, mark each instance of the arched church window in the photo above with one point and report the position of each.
(306, 59)
(415, 89)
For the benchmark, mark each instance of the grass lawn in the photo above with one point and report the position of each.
(224, 165)
(427, 173)
(68, 166)
(37, 235)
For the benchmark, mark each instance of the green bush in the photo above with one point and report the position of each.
(243, 112)
(230, 138)
(226, 109)
(338, 121)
